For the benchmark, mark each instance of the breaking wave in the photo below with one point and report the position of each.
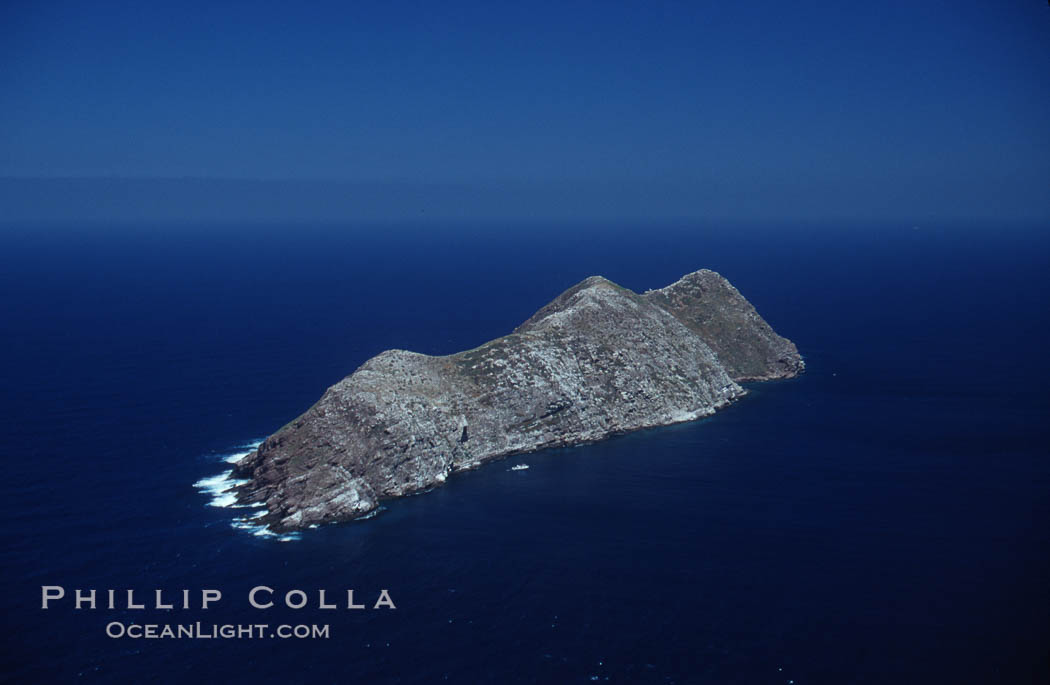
(220, 491)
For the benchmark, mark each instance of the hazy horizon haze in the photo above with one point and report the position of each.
(344, 111)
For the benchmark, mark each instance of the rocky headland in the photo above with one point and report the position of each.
(598, 360)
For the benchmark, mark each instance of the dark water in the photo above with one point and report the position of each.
(882, 519)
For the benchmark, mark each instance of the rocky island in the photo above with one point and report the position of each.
(598, 360)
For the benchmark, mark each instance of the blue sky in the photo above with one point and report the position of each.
(755, 110)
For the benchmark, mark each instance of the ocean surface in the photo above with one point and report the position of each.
(882, 519)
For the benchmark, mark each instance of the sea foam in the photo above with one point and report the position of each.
(242, 451)
(220, 489)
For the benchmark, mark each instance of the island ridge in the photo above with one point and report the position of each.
(598, 360)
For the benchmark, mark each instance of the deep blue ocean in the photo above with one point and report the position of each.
(882, 519)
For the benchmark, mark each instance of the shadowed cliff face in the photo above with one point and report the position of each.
(745, 344)
(598, 360)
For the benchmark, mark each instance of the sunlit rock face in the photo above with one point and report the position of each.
(598, 360)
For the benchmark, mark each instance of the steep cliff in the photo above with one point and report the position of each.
(598, 360)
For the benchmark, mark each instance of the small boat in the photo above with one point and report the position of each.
(518, 467)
